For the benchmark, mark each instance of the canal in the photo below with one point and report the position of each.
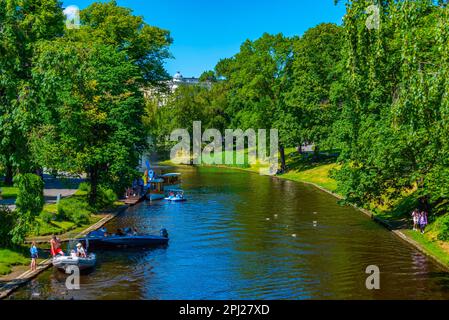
(245, 236)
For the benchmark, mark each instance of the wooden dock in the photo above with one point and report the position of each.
(132, 201)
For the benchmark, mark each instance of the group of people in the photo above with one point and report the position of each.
(420, 220)
(55, 250)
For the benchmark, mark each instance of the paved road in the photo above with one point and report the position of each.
(53, 187)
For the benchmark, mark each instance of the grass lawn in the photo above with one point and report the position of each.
(9, 258)
(318, 175)
(8, 192)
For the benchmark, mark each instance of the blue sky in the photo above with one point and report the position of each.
(204, 31)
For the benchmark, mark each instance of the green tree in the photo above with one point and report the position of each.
(147, 46)
(22, 24)
(208, 76)
(91, 107)
(257, 79)
(8, 219)
(29, 204)
(315, 90)
(392, 125)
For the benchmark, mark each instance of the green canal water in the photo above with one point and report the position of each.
(245, 236)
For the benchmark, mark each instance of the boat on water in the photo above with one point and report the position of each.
(176, 196)
(64, 262)
(158, 187)
(77, 257)
(102, 239)
(155, 189)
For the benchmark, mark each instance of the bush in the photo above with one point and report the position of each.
(7, 221)
(75, 210)
(106, 197)
(442, 225)
(46, 217)
(84, 186)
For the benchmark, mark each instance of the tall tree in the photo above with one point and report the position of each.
(91, 106)
(22, 24)
(147, 46)
(315, 89)
(258, 77)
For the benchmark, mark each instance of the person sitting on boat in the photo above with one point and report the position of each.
(135, 231)
(55, 244)
(80, 252)
(120, 233)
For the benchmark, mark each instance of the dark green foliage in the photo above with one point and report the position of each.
(84, 186)
(46, 217)
(7, 222)
(29, 204)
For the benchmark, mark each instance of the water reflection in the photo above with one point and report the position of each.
(245, 236)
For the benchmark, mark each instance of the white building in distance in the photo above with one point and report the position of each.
(171, 85)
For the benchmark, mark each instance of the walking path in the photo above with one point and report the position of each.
(65, 187)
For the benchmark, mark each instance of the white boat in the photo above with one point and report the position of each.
(63, 262)
(176, 196)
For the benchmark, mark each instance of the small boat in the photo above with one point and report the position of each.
(64, 262)
(101, 239)
(176, 196)
(155, 190)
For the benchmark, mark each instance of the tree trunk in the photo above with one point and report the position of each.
(9, 175)
(282, 152)
(316, 153)
(93, 176)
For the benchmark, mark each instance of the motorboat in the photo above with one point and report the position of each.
(103, 239)
(176, 196)
(64, 262)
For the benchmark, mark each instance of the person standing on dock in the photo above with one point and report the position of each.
(34, 256)
(55, 244)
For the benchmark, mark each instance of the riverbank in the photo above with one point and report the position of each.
(395, 219)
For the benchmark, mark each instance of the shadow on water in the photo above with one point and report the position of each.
(245, 236)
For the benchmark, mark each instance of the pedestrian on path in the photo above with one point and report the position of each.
(415, 217)
(423, 221)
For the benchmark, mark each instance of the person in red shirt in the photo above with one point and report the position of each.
(55, 247)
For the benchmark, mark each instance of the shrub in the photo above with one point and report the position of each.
(84, 186)
(29, 204)
(7, 221)
(46, 217)
(442, 225)
(106, 197)
(75, 210)
(80, 217)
